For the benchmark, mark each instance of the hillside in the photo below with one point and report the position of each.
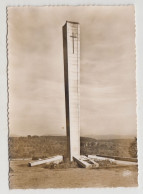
(44, 146)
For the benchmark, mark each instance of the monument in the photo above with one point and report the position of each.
(71, 48)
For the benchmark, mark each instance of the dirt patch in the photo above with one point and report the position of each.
(24, 177)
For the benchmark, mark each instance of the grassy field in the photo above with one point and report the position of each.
(44, 146)
(23, 177)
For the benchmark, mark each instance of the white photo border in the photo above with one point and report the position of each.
(4, 162)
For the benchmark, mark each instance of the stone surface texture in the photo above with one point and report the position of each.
(71, 47)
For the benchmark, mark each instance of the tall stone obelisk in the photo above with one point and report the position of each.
(71, 45)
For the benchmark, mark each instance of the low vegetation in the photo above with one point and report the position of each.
(44, 146)
(133, 148)
(62, 165)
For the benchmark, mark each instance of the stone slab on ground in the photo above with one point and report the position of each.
(55, 159)
(118, 162)
(85, 162)
(119, 158)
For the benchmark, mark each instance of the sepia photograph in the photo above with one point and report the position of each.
(72, 97)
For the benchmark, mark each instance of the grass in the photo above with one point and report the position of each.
(62, 165)
(23, 177)
(66, 174)
(46, 146)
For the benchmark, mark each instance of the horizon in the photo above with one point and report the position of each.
(89, 136)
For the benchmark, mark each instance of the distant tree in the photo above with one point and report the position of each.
(35, 136)
(92, 144)
(133, 148)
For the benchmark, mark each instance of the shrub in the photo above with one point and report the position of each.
(133, 148)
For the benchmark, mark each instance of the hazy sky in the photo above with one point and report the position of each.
(36, 71)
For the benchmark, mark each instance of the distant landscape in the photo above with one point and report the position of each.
(45, 146)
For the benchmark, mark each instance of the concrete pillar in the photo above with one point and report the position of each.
(71, 48)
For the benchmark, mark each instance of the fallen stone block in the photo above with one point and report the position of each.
(100, 158)
(86, 162)
(81, 161)
(119, 158)
(55, 159)
(95, 164)
(118, 162)
(126, 163)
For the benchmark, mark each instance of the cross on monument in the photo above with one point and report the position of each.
(73, 40)
(72, 86)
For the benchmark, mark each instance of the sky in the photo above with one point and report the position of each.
(36, 70)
